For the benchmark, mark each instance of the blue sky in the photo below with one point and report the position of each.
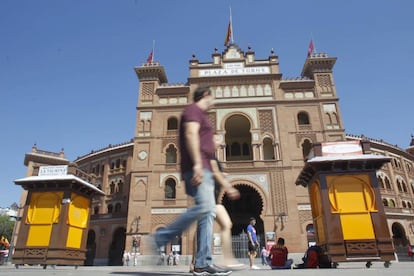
(67, 78)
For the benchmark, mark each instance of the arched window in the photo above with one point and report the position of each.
(172, 123)
(111, 188)
(118, 163)
(110, 208)
(380, 182)
(409, 205)
(268, 149)
(385, 202)
(169, 189)
(404, 186)
(120, 186)
(404, 205)
(310, 233)
(391, 203)
(399, 185)
(388, 183)
(171, 155)
(303, 118)
(96, 210)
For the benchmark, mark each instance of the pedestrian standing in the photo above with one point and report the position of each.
(253, 243)
(264, 254)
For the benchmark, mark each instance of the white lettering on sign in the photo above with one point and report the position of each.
(233, 65)
(233, 71)
(168, 211)
(304, 207)
(53, 170)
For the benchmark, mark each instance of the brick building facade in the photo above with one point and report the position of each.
(267, 125)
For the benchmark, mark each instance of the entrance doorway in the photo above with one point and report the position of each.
(398, 235)
(249, 205)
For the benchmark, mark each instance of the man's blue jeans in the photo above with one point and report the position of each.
(203, 212)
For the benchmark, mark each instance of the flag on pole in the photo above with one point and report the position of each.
(228, 35)
(150, 57)
(310, 49)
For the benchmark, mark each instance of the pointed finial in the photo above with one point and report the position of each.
(215, 50)
(272, 51)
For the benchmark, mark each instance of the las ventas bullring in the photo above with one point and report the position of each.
(267, 126)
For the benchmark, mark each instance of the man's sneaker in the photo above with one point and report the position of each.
(211, 271)
(254, 267)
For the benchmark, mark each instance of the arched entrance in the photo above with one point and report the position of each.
(117, 247)
(90, 248)
(249, 205)
(398, 235)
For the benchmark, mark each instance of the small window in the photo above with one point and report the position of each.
(388, 183)
(268, 149)
(171, 155)
(380, 182)
(120, 186)
(303, 118)
(170, 189)
(110, 208)
(112, 188)
(172, 123)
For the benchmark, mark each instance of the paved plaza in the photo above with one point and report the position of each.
(351, 269)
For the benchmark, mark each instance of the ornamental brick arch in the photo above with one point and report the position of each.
(252, 203)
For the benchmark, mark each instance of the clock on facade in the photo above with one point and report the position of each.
(142, 154)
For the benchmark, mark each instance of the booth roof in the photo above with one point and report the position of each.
(348, 157)
(54, 178)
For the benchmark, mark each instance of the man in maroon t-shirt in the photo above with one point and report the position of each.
(196, 149)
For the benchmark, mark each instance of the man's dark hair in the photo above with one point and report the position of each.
(199, 93)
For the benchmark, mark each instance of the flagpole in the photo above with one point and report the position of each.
(313, 41)
(153, 51)
(231, 26)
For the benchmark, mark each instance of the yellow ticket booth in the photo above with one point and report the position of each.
(53, 228)
(347, 211)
